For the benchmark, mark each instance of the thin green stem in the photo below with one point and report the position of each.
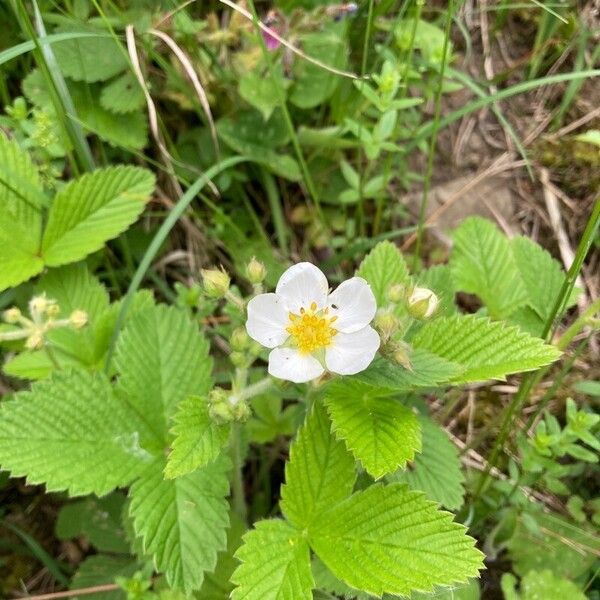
(52, 356)
(310, 186)
(434, 134)
(276, 211)
(238, 496)
(252, 390)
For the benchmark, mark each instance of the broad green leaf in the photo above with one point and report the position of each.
(37, 364)
(182, 521)
(97, 519)
(389, 539)
(18, 263)
(540, 585)
(542, 276)
(101, 569)
(123, 95)
(275, 565)
(482, 263)
(93, 209)
(71, 433)
(467, 591)
(198, 439)
(162, 358)
(261, 92)
(326, 580)
(383, 267)
(313, 85)
(90, 58)
(569, 550)
(437, 469)
(319, 473)
(485, 349)
(378, 430)
(428, 370)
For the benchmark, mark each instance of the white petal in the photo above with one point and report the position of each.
(267, 319)
(354, 305)
(352, 353)
(301, 285)
(288, 363)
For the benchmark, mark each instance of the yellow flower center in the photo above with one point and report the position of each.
(310, 329)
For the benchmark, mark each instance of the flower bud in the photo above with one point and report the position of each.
(220, 409)
(396, 293)
(78, 318)
(12, 315)
(239, 339)
(256, 271)
(53, 310)
(241, 411)
(422, 303)
(238, 359)
(38, 305)
(35, 341)
(402, 357)
(387, 323)
(216, 282)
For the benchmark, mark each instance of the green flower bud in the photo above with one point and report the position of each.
(53, 311)
(78, 318)
(239, 339)
(256, 271)
(216, 282)
(396, 293)
(35, 341)
(422, 303)
(387, 323)
(241, 411)
(12, 315)
(220, 409)
(238, 359)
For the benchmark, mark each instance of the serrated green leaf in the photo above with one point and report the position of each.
(123, 95)
(542, 276)
(17, 259)
(326, 580)
(37, 364)
(101, 569)
(71, 433)
(319, 473)
(382, 267)
(162, 358)
(91, 58)
(485, 349)
(391, 539)
(93, 209)
(198, 440)
(275, 564)
(482, 263)
(379, 431)
(182, 521)
(437, 469)
(428, 370)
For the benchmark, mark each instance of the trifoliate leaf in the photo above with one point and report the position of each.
(162, 358)
(182, 521)
(383, 267)
(540, 584)
(485, 349)
(93, 209)
(275, 564)
(123, 95)
(389, 539)
(90, 58)
(482, 263)
(378, 430)
(198, 439)
(427, 370)
(319, 473)
(71, 433)
(437, 469)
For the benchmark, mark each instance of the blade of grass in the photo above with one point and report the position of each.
(159, 237)
(276, 211)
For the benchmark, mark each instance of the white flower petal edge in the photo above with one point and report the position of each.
(301, 285)
(267, 320)
(352, 353)
(288, 363)
(354, 305)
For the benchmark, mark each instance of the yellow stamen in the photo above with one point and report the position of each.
(311, 330)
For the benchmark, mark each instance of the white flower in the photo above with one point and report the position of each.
(310, 329)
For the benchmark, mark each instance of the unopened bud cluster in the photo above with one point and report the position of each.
(216, 282)
(225, 408)
(43, 313)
